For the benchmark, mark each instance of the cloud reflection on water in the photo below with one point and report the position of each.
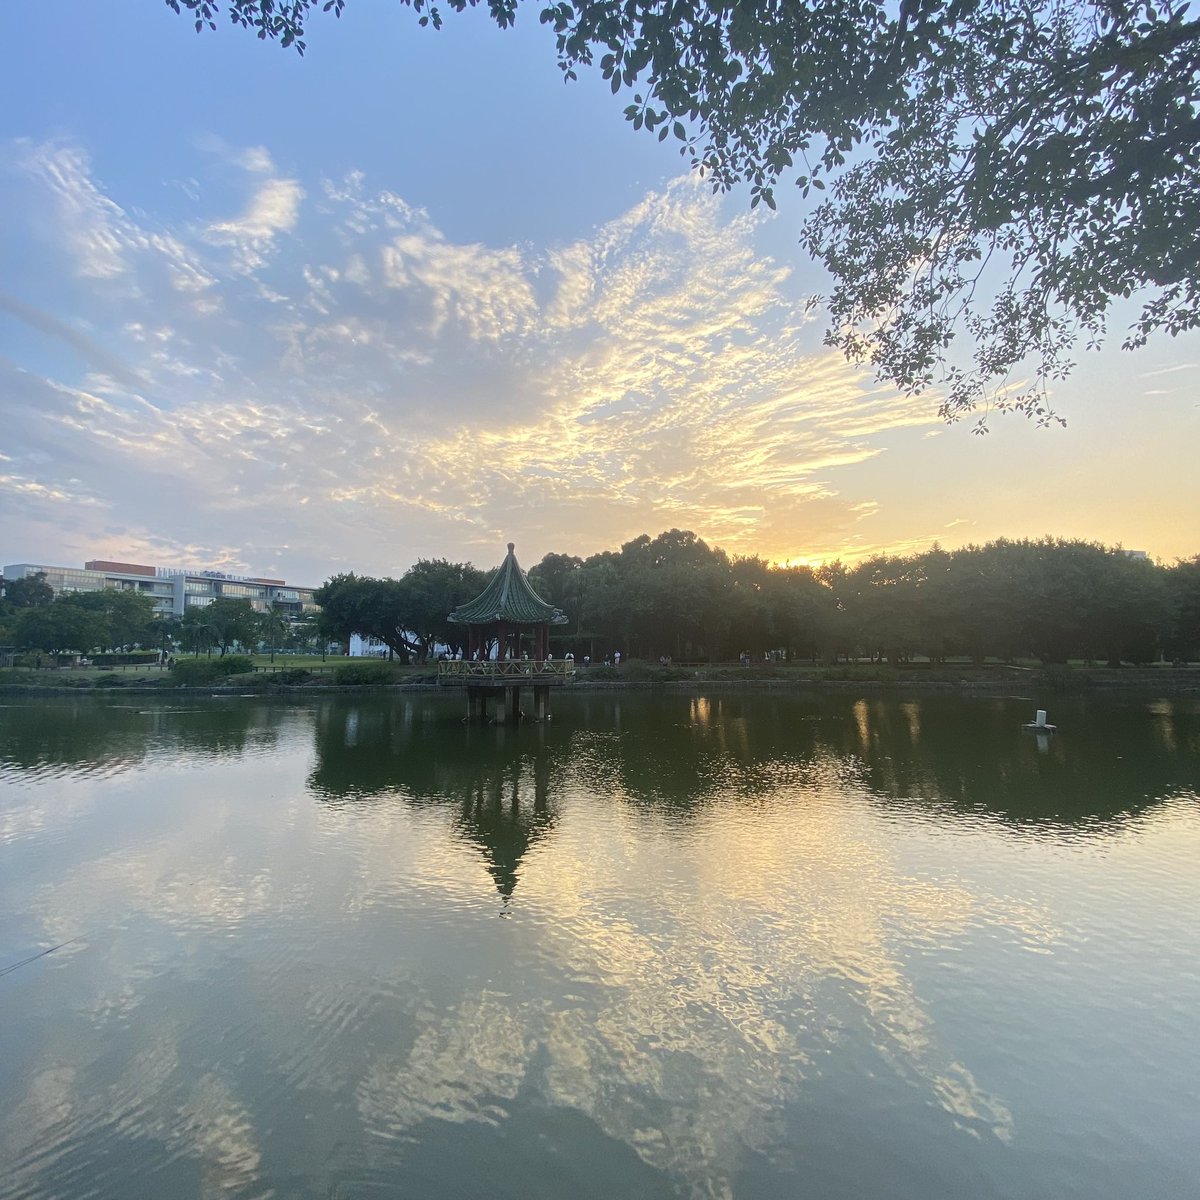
(710, 915)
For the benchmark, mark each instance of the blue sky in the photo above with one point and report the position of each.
(413, 295)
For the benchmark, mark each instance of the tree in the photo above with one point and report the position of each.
(1183, 591)
(308, 633)
(227, 621)
(604, 615)
(130, 618)
(59, 629)
(126, 617)
(164, 632)
(559, 580)
(840, 632)
(800, 611)
(984, 602)
(194, 633)
(353, 604)
(340, 615)
(889, 604)
(31, 591)
(999, 170)
(1131, 608)
(431, 589)
(669, 594)
(273, 628)
(408, 615)
(1037, 162)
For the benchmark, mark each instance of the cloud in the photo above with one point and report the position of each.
(378, 391)
(273, 209)
(91, 224)
(482, 291)
(257, 159)
(71, 212)
(1171, 370)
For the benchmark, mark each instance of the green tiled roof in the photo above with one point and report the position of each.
(508, 597)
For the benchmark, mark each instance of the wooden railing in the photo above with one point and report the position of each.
(533, 670)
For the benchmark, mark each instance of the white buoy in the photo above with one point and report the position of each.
(1038, 724)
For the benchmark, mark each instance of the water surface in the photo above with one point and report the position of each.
(745, 945)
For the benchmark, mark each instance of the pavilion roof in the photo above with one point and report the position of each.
(508, 597)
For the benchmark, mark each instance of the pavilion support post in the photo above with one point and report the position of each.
(541, 701)
(514, 705)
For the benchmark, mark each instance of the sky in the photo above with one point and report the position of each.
(413, 295)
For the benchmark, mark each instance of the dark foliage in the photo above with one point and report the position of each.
(195, 672)
(675, 597)
(364, 671)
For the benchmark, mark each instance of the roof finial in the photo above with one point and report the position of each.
(511, 547)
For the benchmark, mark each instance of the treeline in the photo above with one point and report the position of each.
(32, 618)
(674, 595)
(409, 615)
(119, 621)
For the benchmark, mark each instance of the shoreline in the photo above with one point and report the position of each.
(1175, 681)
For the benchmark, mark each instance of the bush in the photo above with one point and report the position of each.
(676, 673)
(292, 676)
(364, 671)
(600, 673)
(636, 672)
(195, 672)
(17, 675)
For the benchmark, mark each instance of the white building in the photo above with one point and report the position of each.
(367, 647)
(173, 589)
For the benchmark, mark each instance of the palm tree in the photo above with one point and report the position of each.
(164, 632)
(273, 626)
(195, 632)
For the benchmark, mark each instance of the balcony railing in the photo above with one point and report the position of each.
(506, 670)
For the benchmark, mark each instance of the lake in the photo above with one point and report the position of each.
(748, 944)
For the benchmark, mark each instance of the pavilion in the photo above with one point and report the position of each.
(508, 645)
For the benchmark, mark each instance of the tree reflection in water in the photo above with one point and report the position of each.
(758, 944)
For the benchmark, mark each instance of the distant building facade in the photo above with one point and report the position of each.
(173, 589)
(367, 647)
